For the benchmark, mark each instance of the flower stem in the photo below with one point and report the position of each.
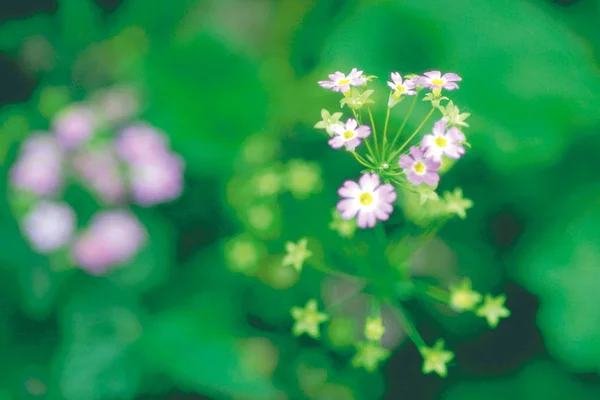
(409, 326)
(326, 270)
(366, 141)
(413, 134)
(410, 110)
(361, 160)
(387, 119)
(374, 131)
(340, 301)
(432, 292)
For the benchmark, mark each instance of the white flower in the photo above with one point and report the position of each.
(329, 121)
(402, 87)
(49, 226)
(341, 83)
(349, 135)
(443, 142)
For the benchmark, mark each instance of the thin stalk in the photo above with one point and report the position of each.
(337, 303)
(413, 135)
(432, 292)
(387, 119)
(374, 131)
(409, 326)
(326, 270)
(366, 141)
(410, 110)
(361, 160)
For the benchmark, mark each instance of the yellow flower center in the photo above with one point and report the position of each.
(400, 88)
(419, 167)
(441, 141)
(348, 135)
(437, 82)
(343, 82)
(365, 199)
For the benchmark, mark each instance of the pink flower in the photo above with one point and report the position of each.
(49, 226)
(435, 80)
(419, 168)
(39, 168)
(368, 199)
(113, 238)
(157, 182)
(399, 87)
(443, 142)
(74, 126)
(101, 170)
(341, 83)
(141, 143)
(348, 135)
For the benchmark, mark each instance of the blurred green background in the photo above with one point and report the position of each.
(233, 84)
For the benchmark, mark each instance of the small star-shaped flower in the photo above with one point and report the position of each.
(369, 355)
(453, 115)
(329, 121)
(435, 358)
(345, 227)
(296, 254)
(493, 309)
(307, 319)
(456, 203)
(355, 99)
(374, 329)
(462, 297)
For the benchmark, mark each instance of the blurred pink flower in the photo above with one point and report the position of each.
(49, 226)
(39, 167)
(141, 143)
(158, 181)
(101, 170)
(113, 238)
(74, 126)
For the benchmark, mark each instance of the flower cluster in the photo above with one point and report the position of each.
(99, 144)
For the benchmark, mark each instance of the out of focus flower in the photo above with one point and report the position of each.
(463, 297)
(243, 253)
(355, 99)
(117, 104)
(345, 227)
(374, 328)
(368, 199)
(49, 226)
(493, 309)
(113, 238)
(141, 143)
(453, 115)
(349, 135)
(435, 80)
(369, 355)
(443, 142)
(456, 203)
(341, 83)
(158, 181)
(74, 126)
(419, 168)
(303, 178)
(296, 254)
(402, 87)
(328, 121)
(308, 319)
(267, 182)
(39, 167)
(435, 358)
(100, 169)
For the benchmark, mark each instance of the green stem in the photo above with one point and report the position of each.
(375, 307)
(413, 134)
(366, 141)
(430, 291)
(387, 119)
(326, 270)
(410, 110)
(337, 303)
(409, 326)
(374, 131)
(361, 160)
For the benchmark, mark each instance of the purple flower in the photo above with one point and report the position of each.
(141, 143)
(419, 168)
(442, 141)
(348, 135)
(368, 199)
(435, 80)
(39, 168)
(341, 83)
(399, 87)
(117, 104)
(157, 182)
(113, 238)
(74, 126)
(100, 168)
(49, 226)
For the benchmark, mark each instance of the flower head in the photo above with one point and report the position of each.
(435, 80)
(39, 168)
(74, 126)
(157, 182)
(368, 199)
(341, 83)
(493, 309)
(303, 178)
(443, 142)
(453, 116)
(355, 99)
(369, 355)
(308, 319)
(402, 87)
(456, 203)
(462, 297)
(49, 226)
(349, 134)
(329, 121)
(344, 227)
(374, 329)
(101, 170)
(435, 358)
(113, 238)
(420, 168)
(141, 143)
(296, 254)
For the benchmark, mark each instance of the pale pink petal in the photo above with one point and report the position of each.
(366, 219)
(431, 178)
(455, 135)
(450, 86)
(406, 161)
(326, 84)
(452, 77)
(409, 84)
(338, 129)
(343, 88)
(439, 128)
(396, 77)
(352, 143)
(363, 131)
(416, 153)
(354, 74)
(351, 124)
(431, 164)
(349, 189)
(348, 208)
(391, 85)
(433, 74)
(386, 193)
(427, 141)
(336, 142)
(368, 182)
(414, 178)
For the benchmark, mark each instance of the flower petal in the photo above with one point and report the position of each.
(431, 178)
(348, 208)
(336, 142)
(433, 74)
(416, 153)
(352, 143)
(349, 189)
(439, 128)
(452, 77)
(368, 182)
(363, 131)
(406, 161)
